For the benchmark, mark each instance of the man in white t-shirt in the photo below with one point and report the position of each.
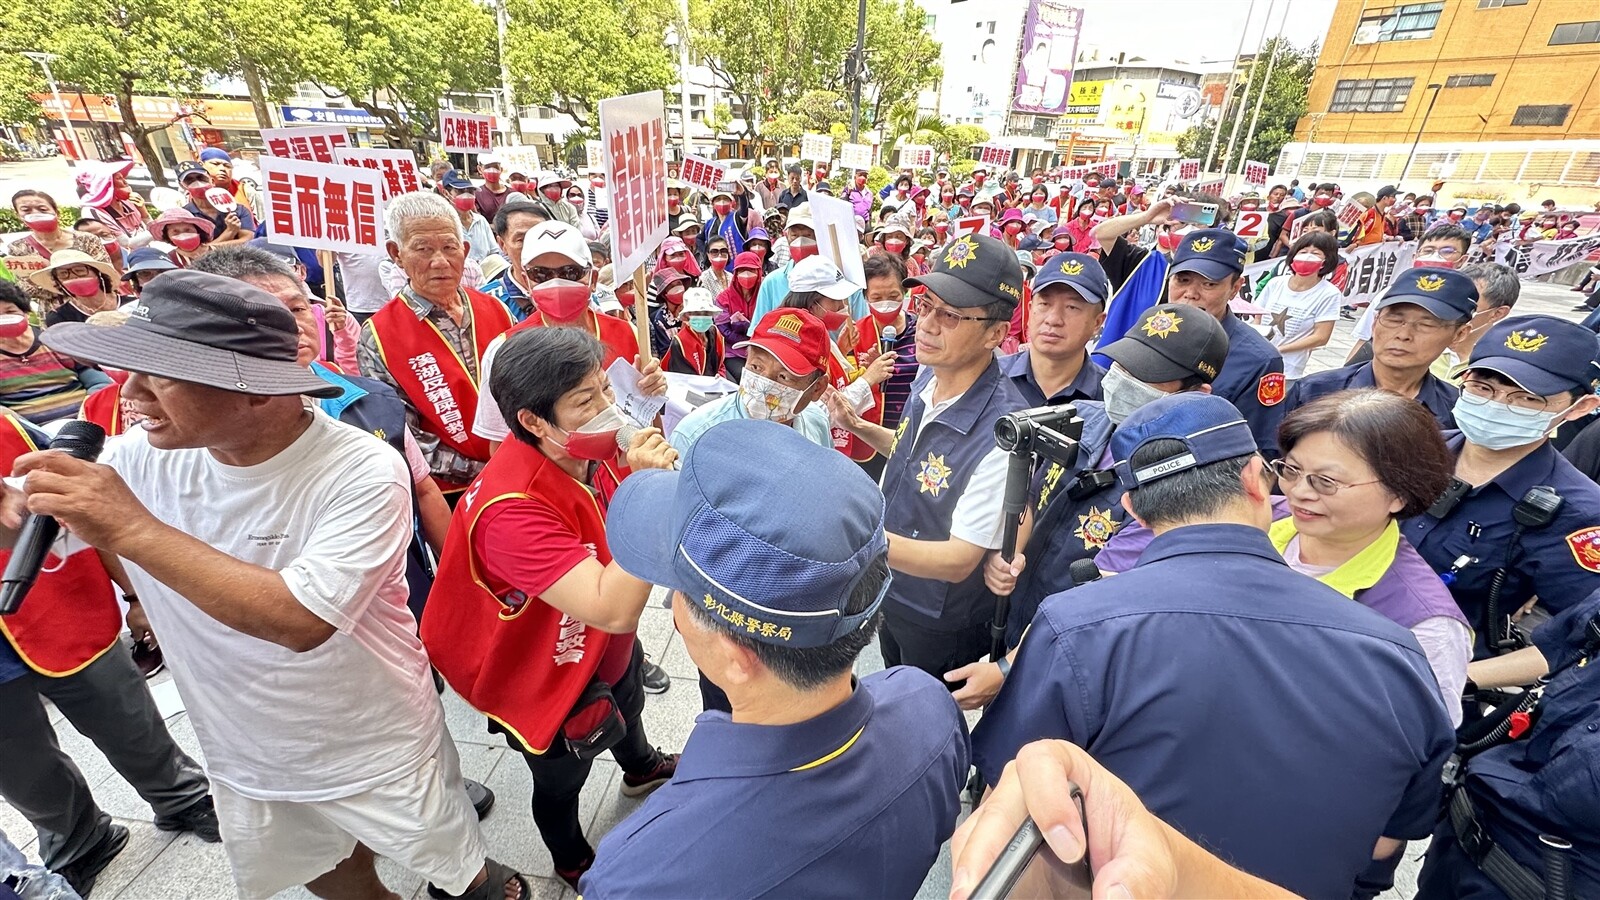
(267, 543)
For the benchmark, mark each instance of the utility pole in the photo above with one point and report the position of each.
(855, 67)
(1266, 84)
(683, 74)
(1227, 95)
(1249, 82)
(1421, 128)
(43, 59)
(500, 23)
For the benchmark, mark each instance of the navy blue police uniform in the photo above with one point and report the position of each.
(1543, 783)
(1082, 275)
(1435, 394)
(853, 802)
(1177, 674)
(1472, 538)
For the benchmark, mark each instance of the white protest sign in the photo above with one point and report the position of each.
(969, 225)
(856, 156)
(991, 155)
(398, 167)
(1213, 186)
(593, 154)
(1188, 169)
(311, 143)
(1372, 269)
(837, 239)
(916, 156)
(461, 132)
(323, 206)
(520, 159)
(632, 402)
(702, 173)
(816, 147)
(634, 131)
(1107, 169)
(1256, 173)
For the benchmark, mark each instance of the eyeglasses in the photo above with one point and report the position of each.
(1289, 473)
(1518, 400)
(945, 317)
(1426, 323)
(540, 274)
(717, 254)
(1441, 252)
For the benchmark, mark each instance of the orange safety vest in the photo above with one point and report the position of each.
(431, 376)
(70, 617)
(516, 659)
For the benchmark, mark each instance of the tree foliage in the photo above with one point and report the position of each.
(20, 79)
(573, 55)
(902, 58)
(270, 58)
(1283, 105)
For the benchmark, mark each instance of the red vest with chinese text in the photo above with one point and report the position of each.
(616, 335)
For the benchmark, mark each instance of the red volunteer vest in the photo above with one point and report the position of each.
(689, 348)
(616, 335)
(516, 659)
(104, 408)
(70, 617)
(431, 376)
(867, 349)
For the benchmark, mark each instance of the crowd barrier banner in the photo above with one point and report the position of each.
(1544, 257)
(323, 206)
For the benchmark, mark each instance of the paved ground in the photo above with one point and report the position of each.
(157, 865)
(52, 175)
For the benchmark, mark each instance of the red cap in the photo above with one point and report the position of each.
(797, 338)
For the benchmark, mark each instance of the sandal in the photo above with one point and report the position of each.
(492, 888)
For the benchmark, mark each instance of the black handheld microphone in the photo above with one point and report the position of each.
(886, 339)
(1083, 571)
(83, 440)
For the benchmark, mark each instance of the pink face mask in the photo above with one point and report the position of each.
(464, 202)
(41, 222)
(1306, 264)
(596, 439)
(87, 286)
(185, 242)
(560, 300)
(13, 326)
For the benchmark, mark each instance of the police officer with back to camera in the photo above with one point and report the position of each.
(1518, 522)
(817, 784)
(944, 483)
(1181, 673)
(1523, 800)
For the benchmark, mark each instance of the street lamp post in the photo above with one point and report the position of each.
(43, 59)
(1423, 127)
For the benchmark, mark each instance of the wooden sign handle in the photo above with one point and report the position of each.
(641, 315)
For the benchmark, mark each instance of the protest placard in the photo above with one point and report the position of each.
(1107, 169)
(1372, 269)
(916, 156)
(991, 155)
(1074, 173)
(634, 131)
(1544, 257)
(311, 143)
(1256, 173)
(323, 206)
(856, 156)
(816, 147)
(1251, 223)
(461, 132)
(593, 155)
(837, 239)
(1212, 186)
(398, 167)
(969, 225)
(1188, 169)
(520, 159)
(702, 173)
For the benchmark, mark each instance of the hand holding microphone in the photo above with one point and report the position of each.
(52, 490)
(646, 448)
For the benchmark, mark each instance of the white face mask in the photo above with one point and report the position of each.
(766, 399)
(1493, 425)
(1125, 394)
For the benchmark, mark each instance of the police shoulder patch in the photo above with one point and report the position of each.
(1585, 546)
(1271, 389)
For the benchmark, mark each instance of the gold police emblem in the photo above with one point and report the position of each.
(1528, 340)
(1430, 283)
(963, 251)
(934, 477)
(1162, 324)
(1202, 245)
(1095, 528)
(1072, 267)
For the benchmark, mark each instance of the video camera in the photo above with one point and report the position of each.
(1053, 431)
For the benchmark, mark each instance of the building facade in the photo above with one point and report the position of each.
(1504, 94)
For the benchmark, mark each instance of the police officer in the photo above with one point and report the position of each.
(1522, 811)
(944, 483)
(817, 784)
(1137, 670)
(1425, 311)
(1066, 310)
(1518, 521)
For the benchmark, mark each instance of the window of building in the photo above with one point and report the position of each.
(929, 20)
(1412, 22)
(1554, 114)
(1464, 81)
(1376, 95)
(1576, 33)
(1496, 4)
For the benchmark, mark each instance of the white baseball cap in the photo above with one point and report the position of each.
(545, 179)
(699, 299)
(555, 237)
(818, 273)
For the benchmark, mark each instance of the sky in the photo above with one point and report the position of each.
(1192, 30)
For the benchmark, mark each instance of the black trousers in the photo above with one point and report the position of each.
(109, 702)
(559, 775)
(907, 643)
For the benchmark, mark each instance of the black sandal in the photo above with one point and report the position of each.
(493, 886)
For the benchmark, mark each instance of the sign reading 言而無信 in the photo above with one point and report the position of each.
(1544, 257)
(633, 131)
(323, 206)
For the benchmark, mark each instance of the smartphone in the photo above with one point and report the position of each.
(1027, 867)
(1202, 214)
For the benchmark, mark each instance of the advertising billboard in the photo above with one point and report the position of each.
(1049, 49)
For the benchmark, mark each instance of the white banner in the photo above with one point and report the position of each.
(593, 155)
(1369, 270)
(461, 132)
(837, 238)
(634, 131)
(816, 147)
(1188, 169)
(990, 155)
(323, 206)
(702, 172)
(916, 156)
(1544, 257)
(311, 143)
(856, 156)
(521, 159)
(398, 167)
(1256, 173)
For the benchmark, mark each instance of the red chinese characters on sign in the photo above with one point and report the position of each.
(1188, 169)
(1256, 173)
(311, 143)
(990, 155)
(1107, 169)
(398, 168)
(633, 131)
(461, 132)
(702, 173)
(323, 207)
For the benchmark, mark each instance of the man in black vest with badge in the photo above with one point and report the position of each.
(944, 483)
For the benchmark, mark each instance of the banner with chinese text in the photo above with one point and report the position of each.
(323, 206)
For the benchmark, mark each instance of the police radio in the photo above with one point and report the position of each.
(1537, 509)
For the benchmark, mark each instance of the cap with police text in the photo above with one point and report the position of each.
(1209, 428)
(974, 270)
(1214, 253)
(734, 552)
(1542, 354)
(1446, 293)
(1079, 271)
(1171, 342)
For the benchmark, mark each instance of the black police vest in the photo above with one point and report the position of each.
(927, 472)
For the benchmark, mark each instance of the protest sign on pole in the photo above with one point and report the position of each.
(521, 159)
(816, 147)
(1107, 169)
(1544, 257)
(1074, 173)
(633, 129)
(398, 167)
(837, 238)
(856, 156)
(311, 143)
(1213, 186)
(1256, 173)
(991, 155)
(593, 155)
(916, 156)
(323, 206)
(462, 132)
(969, 225)
(702, 173)
(1188, 169)
(1350, 213)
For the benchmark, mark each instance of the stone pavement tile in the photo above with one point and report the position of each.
(669, 717)
(145, 844)
(186, 869)
(467, 725)
(677, 662)
(655, 630)
(509, 830)
(19, 831)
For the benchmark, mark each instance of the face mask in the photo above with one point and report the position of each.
(722, 207)
(1013, 228)
(860, 183)
(1322, 201)
(185, 242)
(894, 245)
(1085, 214)
(1125, 394)
(111, 245)
(13, 326)
(87, 286)
(765, 399)
(977, 180)
(576, 200)
(520, 187)
(597, 182)
(1169, 241)
(801, 248)
(701, 324)
(1493, 425)
(678, 263)
(719, 264)
(1455, 217)
(491, 177)
(947, 199)
(772, 179)
(596, 439)
(122, 193)
(464, 202)
(560, 300)
(747, 279)
(1306, 264)
(673, 296)
(886, 312)
(1063, 244)
(941, 230)
(553, 193)
(966, 202)
(833, 321)
(1432, 262)
(41, 222)
(690, 239)
(760, 250)
(900, 193)
(198, 192)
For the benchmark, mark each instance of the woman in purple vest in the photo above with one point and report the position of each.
(1354, 464)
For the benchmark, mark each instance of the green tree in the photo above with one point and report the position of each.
(770, 53)
(269, 58)
(720, 119)
(783, 129)
(573, 55)
(958, 139)
(20, 80)
(902, 58)
(1283, 105)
